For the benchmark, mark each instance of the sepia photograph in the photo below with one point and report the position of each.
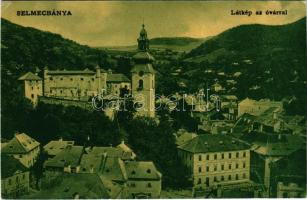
(153, 100)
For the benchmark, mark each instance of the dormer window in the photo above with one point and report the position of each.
(148, 171)
(133, 172)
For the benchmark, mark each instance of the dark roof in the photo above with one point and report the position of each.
(117, 78)
(114, 169)
(10, 166)
(29, 76)
(69, 156)
(143, 55)
(85, 71)
(21, 143)
(213, 143)
(142, 170)
(56, 146)
(146, 68)
(87, 186)
(273, 144)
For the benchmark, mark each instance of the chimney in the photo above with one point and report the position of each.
(279, 136)
(109, 71)
(97, 71)
(61, 139)
(123, 142)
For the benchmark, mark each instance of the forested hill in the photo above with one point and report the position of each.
(25, 48)
(271, 59)
(250, 40)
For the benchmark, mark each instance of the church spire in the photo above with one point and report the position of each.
(143, 42)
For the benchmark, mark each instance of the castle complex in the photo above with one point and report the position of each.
(84, 84)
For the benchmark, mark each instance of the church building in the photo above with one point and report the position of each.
(81, 85)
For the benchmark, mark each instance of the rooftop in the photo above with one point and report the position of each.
(29, 76)
(10, 166)
(146, 68)
(213, 143)
(87, 186)
(56, 146)
(142, 170)
(117, 78)
(69, 156)
(272, 144)
(72, 72)
(21, 143)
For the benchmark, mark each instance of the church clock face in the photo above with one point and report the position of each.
(141, 73)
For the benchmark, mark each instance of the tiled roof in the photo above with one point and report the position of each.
(59, 72)
(29, 76)
(21, 143)
(142, 170)
(185, 137)
(272, 144)
(56, 146)
(10, 166)
(87, 186)
(69, 156)
(91, 162)
(117, 78)
(114, 169)
(213, 143)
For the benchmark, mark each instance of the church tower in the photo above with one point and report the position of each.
(143, 78)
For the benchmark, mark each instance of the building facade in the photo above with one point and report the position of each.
(32, 86)
(143, 78)
(216, 160)
(23, 148)
(14, 177)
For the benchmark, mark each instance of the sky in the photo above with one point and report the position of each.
(117, 23)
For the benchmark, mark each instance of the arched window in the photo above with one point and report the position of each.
(140, 84)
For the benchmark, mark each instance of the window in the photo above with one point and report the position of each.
(215, 156)
(222, 178)
(199, 169)
(32, 88)
(141, 84)
(61, 79)
(215, 179)
(229, 155)
(23, 177)
(38, 88)
(149, 185)
(222, 156)
(51, 91)
(81, 79)
(50, 78)
(244, 175)
(215, 167)
(208, 157)
(10, 181)
(244, 165)
(207, 168)
(71, 79)
(20, 156)
(132, 184)
(17, 179)
(222, 167)
(93, 79)
(199, 181)
(229, 177)
(207, 181)
(237, 154)
(199, 158)
(229, 167)
(237, 165)
(244, 154)
(237, 177)
(61, 91)
(32, 96)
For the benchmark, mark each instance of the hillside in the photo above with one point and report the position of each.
(179, 44)
(25, 48)
(271, 59)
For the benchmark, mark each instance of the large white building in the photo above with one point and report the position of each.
(81, 85)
